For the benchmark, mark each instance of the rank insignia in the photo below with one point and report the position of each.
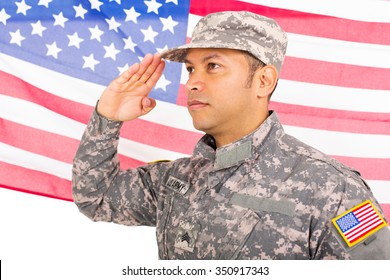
(359, 222)
(186, 236)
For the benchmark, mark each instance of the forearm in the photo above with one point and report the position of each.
(95, 167)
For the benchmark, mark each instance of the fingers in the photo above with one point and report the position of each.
(153, 79)
(147, 68)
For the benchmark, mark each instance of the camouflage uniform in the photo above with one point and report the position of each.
(266, 196)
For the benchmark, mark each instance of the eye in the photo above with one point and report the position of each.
(212, 66)
(190, 69)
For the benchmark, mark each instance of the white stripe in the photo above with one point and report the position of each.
(12, 155)
(363, 211)
(56, 83)
(332, 97)
(365, 214)
(33, 115)
(371, 11)
(16, 156)
(381, 190)
(338, 51)
(327, 97)
(330, 142)
(330, 50)
(343, 143)
(372, 224)
(297, 93)
(87, 93)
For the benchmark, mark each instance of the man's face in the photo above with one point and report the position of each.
(219, 99)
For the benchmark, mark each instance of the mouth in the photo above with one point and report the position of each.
(195, 104)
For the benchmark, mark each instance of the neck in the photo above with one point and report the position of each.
(236, 134)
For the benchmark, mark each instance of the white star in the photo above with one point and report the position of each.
(160, 50)
(153, 6)
(123, 69)
(90, 62)
(16, 38)
(44, 3)
(173, 1)
(74, 40)
(96, 33)
(149, 34)
(80, 11)
(112, 24)
(60, 20)
(37, 28)
(53, 50)
(129, 44)
(4, 16)
(132, 15)
(95, 4)
(111, 51)
(22, 7)
(163, 83)
(169, 24)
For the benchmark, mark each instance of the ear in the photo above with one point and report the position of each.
(267, 78)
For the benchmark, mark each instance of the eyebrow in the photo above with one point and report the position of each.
(208, 57)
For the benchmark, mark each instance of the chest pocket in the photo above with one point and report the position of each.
(227, 231)
(280, 234)
(203, 230)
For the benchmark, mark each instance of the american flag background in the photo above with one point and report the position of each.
(56, 57)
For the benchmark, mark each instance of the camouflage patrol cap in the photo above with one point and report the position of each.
(256, 34)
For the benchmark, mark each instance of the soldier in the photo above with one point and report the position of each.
(249, 190)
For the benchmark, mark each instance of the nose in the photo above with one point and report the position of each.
(194, 83)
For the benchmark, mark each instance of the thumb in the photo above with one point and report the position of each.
(148, 104)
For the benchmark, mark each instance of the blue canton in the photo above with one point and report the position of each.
(95, 40)
(347, 222)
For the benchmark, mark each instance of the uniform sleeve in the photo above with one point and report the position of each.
(100, 189)
(375, 245)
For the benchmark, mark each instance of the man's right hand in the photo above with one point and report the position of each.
(126, 97)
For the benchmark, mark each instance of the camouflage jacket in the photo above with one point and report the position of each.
(266, 196)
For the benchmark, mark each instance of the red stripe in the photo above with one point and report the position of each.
(152, 134)
(323, 118)
(335, 74)
(30, 139)
(356, 211)
(361, 228)
(376, 169)
(13, 86)
(37, 141)
(127, 162)
(365, 232)
(161, 136)
(369, 168)
(35, 182)
(386, 210)
(334, 120)
(304, 23)
(30, 181)
(369, 218)
(47, 144)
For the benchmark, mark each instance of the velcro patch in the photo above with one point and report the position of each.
(359, 222)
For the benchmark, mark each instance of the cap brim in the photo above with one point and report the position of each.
(179, 54)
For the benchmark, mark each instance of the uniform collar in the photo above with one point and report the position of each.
(246, 148)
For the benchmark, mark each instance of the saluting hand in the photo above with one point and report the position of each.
(126, 97)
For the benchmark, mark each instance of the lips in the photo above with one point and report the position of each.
(195, 104)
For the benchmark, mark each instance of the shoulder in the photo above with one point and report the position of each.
(316, 161)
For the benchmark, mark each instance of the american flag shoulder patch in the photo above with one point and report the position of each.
(359, 222)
